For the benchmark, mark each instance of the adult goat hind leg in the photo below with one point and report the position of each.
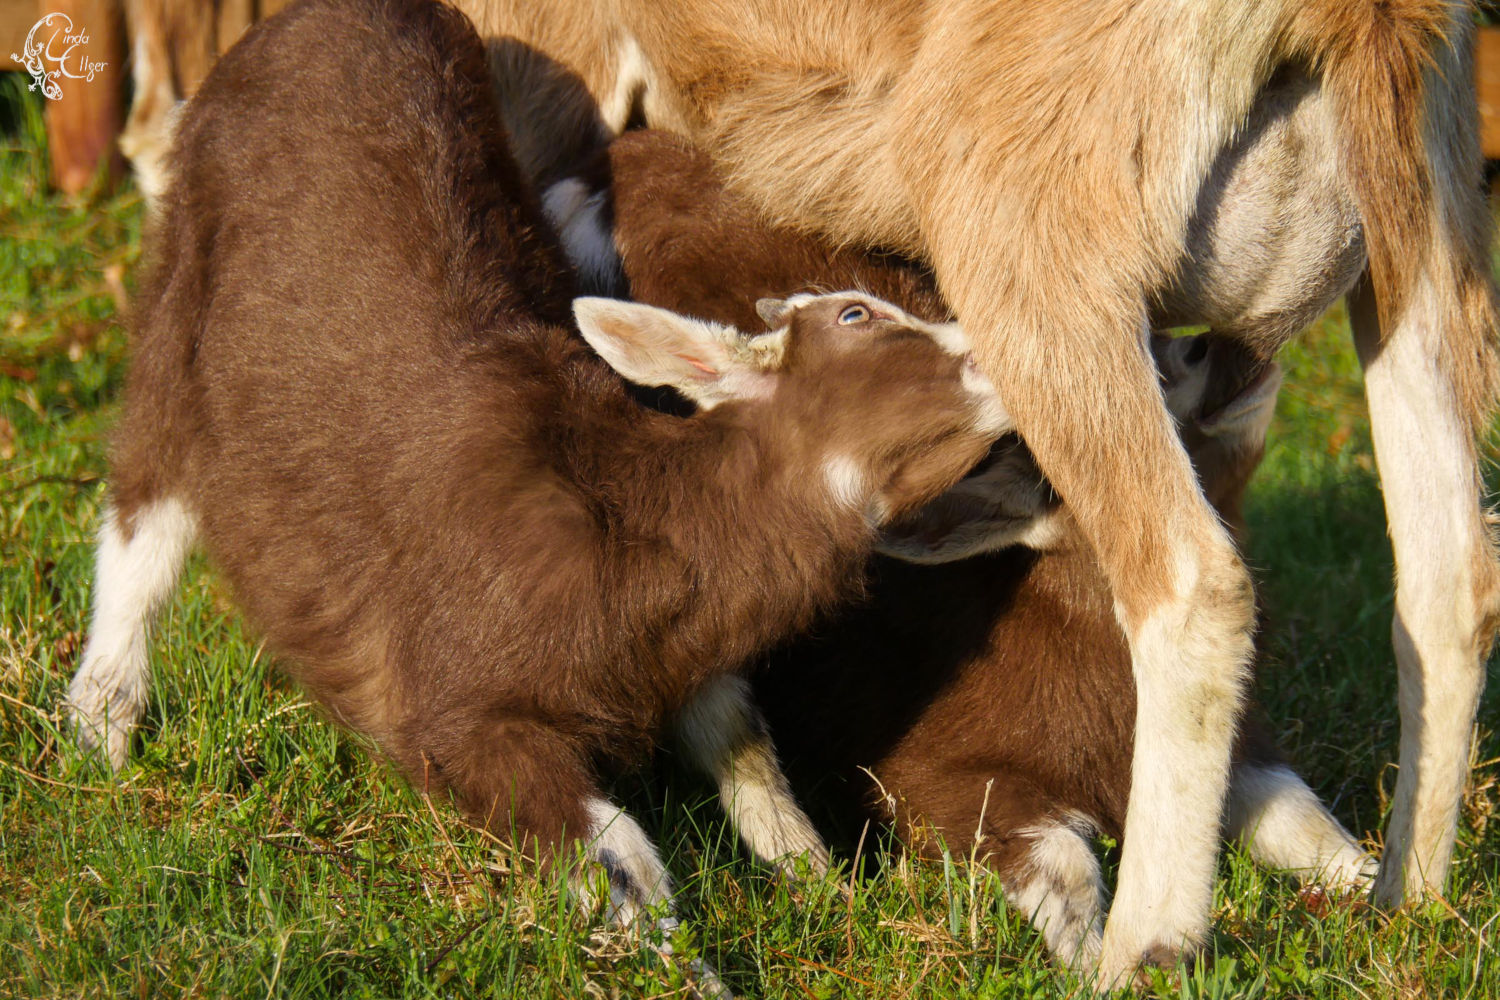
(1079, 381)
(1431, 364)
(723, 733)
(1447, 583)
(137, 560)
(1054, 300)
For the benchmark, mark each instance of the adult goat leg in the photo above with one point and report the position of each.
(1447, 584)
(1185, 603)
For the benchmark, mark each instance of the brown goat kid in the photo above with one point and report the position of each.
(1047, 158)
(357, 383)
(992, 694)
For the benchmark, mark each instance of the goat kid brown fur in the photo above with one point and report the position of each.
(355, 379)
(173, 44)
(1046, 158)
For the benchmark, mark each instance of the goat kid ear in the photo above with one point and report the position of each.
(773, 311)
(657, 347)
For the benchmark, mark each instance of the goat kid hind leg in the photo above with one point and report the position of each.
(137, 560)
(725, 736)
(1284, 826)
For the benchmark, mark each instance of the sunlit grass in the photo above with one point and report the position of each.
(250, 849)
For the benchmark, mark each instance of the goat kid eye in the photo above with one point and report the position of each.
(853, 314)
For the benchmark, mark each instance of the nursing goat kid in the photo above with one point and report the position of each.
(1047, 158)
(356, 381)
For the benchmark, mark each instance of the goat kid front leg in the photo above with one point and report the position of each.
(137, 560)
(533, 787)
(1447, 582)
(640, 888)
(724, 735)
(1042, 850)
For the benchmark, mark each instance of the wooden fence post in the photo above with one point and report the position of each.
(84, 117)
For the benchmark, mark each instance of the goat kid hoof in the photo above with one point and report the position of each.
(704, 983)
(110, 745)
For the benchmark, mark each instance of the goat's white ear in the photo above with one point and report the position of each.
(651, 346)
(772, 311)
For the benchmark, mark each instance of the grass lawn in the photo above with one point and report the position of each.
(250, 849)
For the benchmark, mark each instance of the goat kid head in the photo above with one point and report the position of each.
(839, 377)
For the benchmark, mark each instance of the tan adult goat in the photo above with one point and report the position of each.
(1046, 157)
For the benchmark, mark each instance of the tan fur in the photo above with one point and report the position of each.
(174, 43)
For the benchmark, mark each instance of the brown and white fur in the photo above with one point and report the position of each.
(356, 382)
(1046, 158)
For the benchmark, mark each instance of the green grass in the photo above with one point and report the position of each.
(250, 849)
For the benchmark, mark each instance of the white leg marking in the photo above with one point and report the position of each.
(639, 884)
(578, 216)
(723, 733)
(145, 142)
(1282, 823)
(1062, 890)
(1191, 660)
(1429, 478)
(637, 878)
(131, 581)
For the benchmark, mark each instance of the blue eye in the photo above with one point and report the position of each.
(854, 314)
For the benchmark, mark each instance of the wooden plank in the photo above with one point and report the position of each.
(16, 19)
(84, 122)
(1487, 82)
